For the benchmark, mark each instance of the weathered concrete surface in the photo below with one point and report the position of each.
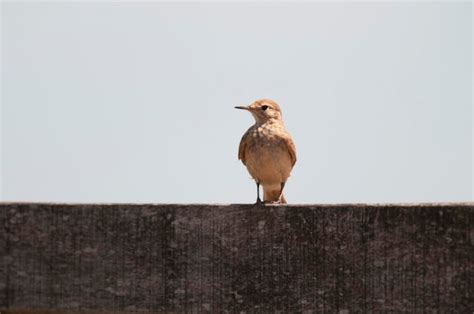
(231, 258)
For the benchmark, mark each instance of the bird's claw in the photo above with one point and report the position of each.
(274, 202)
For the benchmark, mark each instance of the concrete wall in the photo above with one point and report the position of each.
(203, 258)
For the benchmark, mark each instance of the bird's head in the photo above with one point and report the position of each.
(263, 110)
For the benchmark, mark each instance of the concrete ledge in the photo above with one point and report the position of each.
(233, 258)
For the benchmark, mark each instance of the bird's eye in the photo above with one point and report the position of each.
(264, 108)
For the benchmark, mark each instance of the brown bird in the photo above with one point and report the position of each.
(267, 150)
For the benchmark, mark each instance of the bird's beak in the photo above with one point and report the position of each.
(242, 107)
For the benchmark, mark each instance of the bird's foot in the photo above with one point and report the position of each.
(259, 202)
(274, 202)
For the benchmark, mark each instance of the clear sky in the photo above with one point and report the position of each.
(133, 102)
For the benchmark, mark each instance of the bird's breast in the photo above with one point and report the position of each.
(267, 157)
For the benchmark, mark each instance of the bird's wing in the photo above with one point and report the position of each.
(242, 147)
(291, 149)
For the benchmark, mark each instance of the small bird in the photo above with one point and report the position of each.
(267, 150)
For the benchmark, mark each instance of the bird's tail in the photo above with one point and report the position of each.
(273, 196)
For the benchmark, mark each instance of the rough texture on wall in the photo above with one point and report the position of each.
(233, 258)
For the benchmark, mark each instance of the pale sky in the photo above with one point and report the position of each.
(133, 102)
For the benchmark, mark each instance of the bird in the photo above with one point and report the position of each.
(267, 150)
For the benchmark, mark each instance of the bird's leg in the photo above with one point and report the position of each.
(281, 199)
(259, 201)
